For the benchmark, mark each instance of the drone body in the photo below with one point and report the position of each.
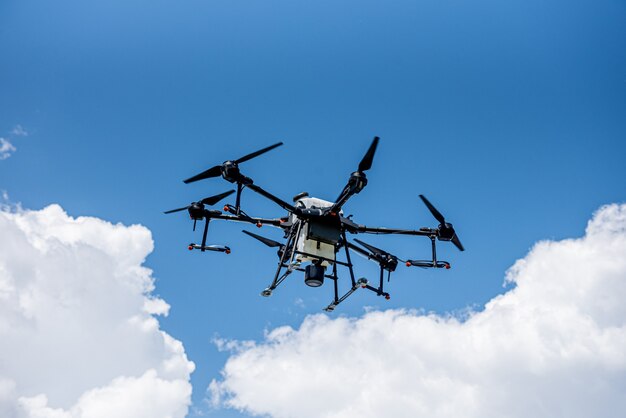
(315, 230)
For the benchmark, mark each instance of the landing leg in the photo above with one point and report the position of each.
(278, 278)
(360, 283)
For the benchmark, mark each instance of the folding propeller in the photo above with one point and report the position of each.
(374, 250)
(446, 231)
(368, 158)
(269, 243)
(266, 241)
(217, 170)
(210, 201)
(387, 260)
(357, 180)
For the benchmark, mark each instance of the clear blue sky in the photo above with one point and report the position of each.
(509, 115)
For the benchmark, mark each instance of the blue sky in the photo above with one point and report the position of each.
(509, 116)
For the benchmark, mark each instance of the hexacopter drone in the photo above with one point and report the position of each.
(315, 230)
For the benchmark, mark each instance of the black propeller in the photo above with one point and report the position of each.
(368, 158)
(210, 201)
(357, 180)
(199, 206)
(266, 241)
(219, 169)
(270, 243)
(446, 231)
(387, 260)
(374, 250)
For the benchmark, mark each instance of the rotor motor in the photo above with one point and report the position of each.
(196, 211)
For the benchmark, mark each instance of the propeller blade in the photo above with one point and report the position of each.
(215, 171)
(176, 210)
(455, 240)
(266, 241)
(214, 199)
(368, 158)
(372, 248)
(433, 210)
(257, 153)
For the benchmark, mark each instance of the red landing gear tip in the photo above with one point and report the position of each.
(448, 266)
(387, 296)
(226, 209)
(190, 247)
(259, 224)
(408, 264)
(227, 251)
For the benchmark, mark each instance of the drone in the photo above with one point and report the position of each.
(316, 230)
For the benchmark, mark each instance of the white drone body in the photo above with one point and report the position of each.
(315, 242)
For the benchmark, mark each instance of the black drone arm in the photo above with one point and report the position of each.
(379, 230)
(359, 250)
(357, 180)
(250, 219)
(271, 197)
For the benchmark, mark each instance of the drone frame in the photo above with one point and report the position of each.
(293, 224)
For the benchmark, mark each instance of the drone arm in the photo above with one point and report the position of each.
(360, 250)
(357, 180)
(271, 197)
(377, 230)
(346, 194)
(258, 221)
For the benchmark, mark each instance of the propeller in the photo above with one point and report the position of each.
(368, 158)
(446, 231)
(179, 209)
(217, 170)
(374, 250)
(357, 180)
(270, 243)
(210, 201)
(387, 260)
(196, 209)
(266, 241)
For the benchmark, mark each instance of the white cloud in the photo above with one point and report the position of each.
(19, 131)
(554, 345)
(78, 335)
(6, 148)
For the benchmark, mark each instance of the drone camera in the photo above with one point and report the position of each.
(314, 275)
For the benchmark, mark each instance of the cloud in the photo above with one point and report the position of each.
(553, 345)
(6, 148)
(78, 332)
(19, 131)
